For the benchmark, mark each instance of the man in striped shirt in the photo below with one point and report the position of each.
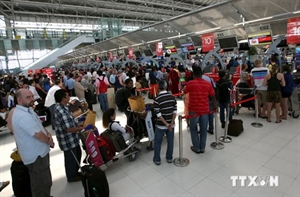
(165, 106)
(199, 91)
(258, 75)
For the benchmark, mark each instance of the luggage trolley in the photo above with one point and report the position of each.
(295, 104)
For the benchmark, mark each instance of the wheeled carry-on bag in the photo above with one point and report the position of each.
(116, 139)
(20, 179)
(235, 127)
(94, 180)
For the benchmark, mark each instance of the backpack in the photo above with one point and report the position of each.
(119, 99)
(102, 86)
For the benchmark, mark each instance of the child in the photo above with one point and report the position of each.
(223, 87)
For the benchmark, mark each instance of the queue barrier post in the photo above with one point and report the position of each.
(256, 124)
(180, 161)
(216, 144)
(225, 138)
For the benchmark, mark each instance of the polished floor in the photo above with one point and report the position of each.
(269, 151)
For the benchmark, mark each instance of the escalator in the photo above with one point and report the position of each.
(55, 53)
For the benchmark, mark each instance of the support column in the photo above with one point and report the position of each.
(9, 30)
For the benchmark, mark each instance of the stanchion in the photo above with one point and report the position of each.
(256, 124)
(180, 161)
(216, 145)
(225, 138)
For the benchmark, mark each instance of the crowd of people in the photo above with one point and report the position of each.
(202, 97)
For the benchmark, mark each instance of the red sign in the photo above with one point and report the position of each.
(38, 71)
(48, 71)
(30, 72)
(111, 57)
(93, 150)
(293, 31)
(130, 53)
(159, 49)
(208, 42)
(171, 49)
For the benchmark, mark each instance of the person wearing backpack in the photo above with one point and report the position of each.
(122, 96)
(223, 87)
(101, 84)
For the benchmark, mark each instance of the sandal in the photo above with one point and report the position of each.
(278, 121)
(197, 152)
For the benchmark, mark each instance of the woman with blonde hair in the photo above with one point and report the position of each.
(274, 81)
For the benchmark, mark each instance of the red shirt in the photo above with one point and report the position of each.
(199, 91)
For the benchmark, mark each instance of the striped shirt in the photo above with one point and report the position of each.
(25, 125)
(165, 105)
(199, 91)
(63, 120)
(258, 75)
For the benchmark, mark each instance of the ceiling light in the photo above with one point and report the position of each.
(253, 21)
(297, 12)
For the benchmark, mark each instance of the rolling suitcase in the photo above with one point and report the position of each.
(20, 179)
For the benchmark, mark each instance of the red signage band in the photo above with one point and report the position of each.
(293, 31)
(159, 49)
(208, 43)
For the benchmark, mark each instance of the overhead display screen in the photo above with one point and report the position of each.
(228, 43)
(188, 47)
(171, 49)
(260, 38)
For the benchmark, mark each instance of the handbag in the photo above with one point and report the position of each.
(136, 103)
(235, 127)
(90, 118)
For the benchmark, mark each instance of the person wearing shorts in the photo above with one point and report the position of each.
(286, 91)
(274, 81)
(258, 74)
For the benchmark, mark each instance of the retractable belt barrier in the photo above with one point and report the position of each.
(178, 94)
(242, 101)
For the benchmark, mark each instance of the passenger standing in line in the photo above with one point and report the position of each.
(274, 81)
(199, 92)
(165, 106)
(33, 142)
(210, 115)
(286, 91)
(101, 84)
(70, 84)
(50, 100)
(66, 130)
(258, 75)
(79, 89)
(223, 86)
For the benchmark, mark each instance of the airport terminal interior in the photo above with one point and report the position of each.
(45, 42)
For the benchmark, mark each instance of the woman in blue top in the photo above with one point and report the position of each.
(286, 91)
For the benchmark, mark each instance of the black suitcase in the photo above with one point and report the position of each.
(94, 99)
(235, 127)
(20, 179)
(116, 138)
(94, 182)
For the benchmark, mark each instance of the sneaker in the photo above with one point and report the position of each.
(169, 160)
(223, 125)
(210, 131)
(157, 162)
(4, 185)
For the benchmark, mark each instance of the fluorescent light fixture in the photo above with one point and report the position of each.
(297, 12)
(158, 40)
(207, 30)
(135, 45)
(253, 21)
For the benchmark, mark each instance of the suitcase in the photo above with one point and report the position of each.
(235, 127)
(94, 182)
(116, 138)
(20, 179)
(107, 151)
(94, 99)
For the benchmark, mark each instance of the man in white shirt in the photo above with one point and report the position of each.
(33, 90)
(50, 100)
(258, 75)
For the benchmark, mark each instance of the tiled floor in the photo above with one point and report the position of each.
(269, 151)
